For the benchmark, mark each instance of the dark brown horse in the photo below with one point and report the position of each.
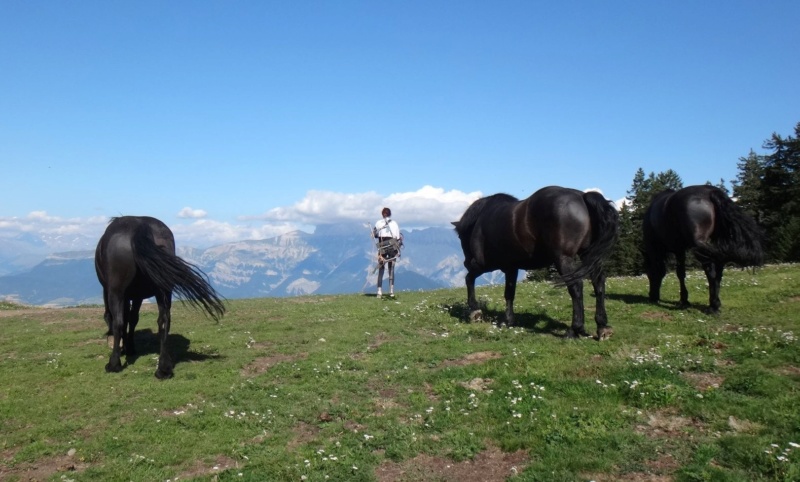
(705, 220)
(553, 226)
(135, 260)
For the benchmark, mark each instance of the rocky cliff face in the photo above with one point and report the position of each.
(334, 259)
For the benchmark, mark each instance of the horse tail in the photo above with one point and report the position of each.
(171, 273)
(604, 219)
(736, 235)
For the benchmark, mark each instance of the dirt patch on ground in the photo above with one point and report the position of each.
(656, 315)
(477, 384)
(375, 342)
(664, 424)
(473, 358)
(703, 381)
(631, 477)
(488, 466)
(308, 299)
(378, 340)
(79, 316)
(42, 469)
(200, 469)
(303, 434)
(789, 370)
(746, 426)
(262, 364)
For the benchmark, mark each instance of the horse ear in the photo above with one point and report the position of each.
(455, 223)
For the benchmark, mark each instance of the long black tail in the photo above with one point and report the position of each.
(737, 237)
(171, 273)
(605, 230)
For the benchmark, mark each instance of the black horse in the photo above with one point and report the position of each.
(552, 226)
(703, 219)
(135, 260)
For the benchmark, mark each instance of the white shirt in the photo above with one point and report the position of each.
(387, 228)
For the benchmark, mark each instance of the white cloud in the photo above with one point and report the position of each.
(41, 222)
(204, 233)
(55, 233)
(326, 207)
(188, 212)
(428, 206)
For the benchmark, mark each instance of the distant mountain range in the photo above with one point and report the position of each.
(334, 259)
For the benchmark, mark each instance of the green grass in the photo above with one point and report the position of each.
(355, 388)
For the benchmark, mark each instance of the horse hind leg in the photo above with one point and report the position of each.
(133, 320)
(713, 272)
(107, 314)
(116, 308)
(509, 293)
(165, 364)
(656, 270)
(680, 271)
(566, 265)
(475, 313)
(604, 330)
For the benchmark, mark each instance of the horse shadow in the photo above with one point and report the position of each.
(644, 300)
(148, 342)
(629, 299)
(533, 323)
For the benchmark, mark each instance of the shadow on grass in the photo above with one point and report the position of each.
(148, 343)
(628, 299)
(667, 305)
(534, 323)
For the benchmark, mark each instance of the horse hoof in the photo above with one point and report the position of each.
(604, 333)
(711, 311)
(163, 374)
(113, 368)
(476, 315)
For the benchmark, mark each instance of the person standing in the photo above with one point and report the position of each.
(387, 232)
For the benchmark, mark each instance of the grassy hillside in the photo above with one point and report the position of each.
(357, 388)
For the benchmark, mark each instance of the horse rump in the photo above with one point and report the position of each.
(171, 273)
(737, 237)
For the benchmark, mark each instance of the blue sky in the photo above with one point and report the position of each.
(241, 120)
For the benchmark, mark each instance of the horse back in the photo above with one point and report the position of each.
(694, 213)
(557, 220)
(487, 234)
(682, 219)
(115, 255)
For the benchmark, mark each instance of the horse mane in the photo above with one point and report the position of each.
(473, 213)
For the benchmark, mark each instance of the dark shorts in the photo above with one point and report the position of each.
(388, 248)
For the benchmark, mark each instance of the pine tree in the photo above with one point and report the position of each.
(748, 186)
(780, 196)
(627, 258)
